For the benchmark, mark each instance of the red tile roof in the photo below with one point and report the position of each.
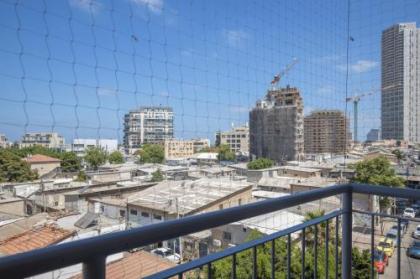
(135, 265)
(33, 239)
(41, 159)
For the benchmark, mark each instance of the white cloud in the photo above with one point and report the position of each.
(155, 6)
(361, 66)
(235, 38)
(86, 5)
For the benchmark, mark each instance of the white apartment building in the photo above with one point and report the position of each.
(45, 139)
(3, 141)
(400, 113)
(80, 146)
(147, 125)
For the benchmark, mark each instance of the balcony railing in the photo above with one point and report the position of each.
(92, 252)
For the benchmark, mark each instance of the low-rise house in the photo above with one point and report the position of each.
(37, 237)
(12, 205)
(42, 164)
(298, 171)
(134, 265)
(254, 175)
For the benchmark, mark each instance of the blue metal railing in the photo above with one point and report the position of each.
(92, 252)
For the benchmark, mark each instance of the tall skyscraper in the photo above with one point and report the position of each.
(147, 125)
(276, 126)
(373, 135)
(400, 113)
(326, 131)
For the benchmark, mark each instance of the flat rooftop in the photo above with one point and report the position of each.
(185, 196)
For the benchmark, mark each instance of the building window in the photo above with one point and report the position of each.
(102, 208)
(122, 213)
(145, 214)
(227, 236)
(157, 217)
(133, 212)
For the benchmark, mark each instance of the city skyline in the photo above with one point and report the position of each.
(211, 74)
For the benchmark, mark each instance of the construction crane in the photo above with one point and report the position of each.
(356, 99)
(277, 77)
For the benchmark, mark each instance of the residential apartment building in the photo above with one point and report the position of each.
(200, 144)
(373, 135)
(326, 131)
(147, 125)
(178, 148)
(80, 146)
(3, 141)
(45, 139)
(237, 139)
(400, 64)
(276, 126)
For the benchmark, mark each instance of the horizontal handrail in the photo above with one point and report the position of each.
(179, 269)
(66, 254)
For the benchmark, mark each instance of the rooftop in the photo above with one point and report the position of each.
(135, 265)
(33, 239)
(186, 196)
(41, 159)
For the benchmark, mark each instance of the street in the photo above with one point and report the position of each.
(410, 267)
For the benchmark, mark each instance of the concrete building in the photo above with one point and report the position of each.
(42, 164)
(147, 125)
(276, 126)
(200, 144)
(326, 131)
(400, 63)
(3, 141)
(373, 135)
(178, 148)
(172, 199)
(237, 139)
(45, 139)
(80, 146)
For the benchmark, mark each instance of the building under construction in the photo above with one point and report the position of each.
(276, 126)
(326, 131)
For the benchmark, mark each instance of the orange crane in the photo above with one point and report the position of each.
(277, 77)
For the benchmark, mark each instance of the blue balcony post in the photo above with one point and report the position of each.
(94, 268)
(347, 236)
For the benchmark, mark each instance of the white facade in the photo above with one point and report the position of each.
(3, 141)
(147, 125)
(80, 146)
(400, 112)
(237, 139)
(45, 139)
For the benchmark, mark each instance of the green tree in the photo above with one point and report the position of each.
(157, 176)
(14, 169)
(260, 163)
(151, 153)
(70, 162)
(378, 171)
(116, 158)
(360, 264)
(400, 156)
(225, 154)
(95, 157)
(81, 176)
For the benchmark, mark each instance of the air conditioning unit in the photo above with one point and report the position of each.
(217, 243)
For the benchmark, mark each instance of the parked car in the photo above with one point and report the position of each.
(392, 235)
(414, 250)
(416, 208)
(167, 254)
(416, 232)
(402, 228)
(409, 212)
(380, 261)
(386, 245)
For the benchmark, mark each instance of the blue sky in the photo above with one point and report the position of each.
(76, 66)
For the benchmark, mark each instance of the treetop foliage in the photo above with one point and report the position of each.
(260, 163)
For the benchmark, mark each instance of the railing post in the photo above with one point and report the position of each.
(346, 242)
(94, 268)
